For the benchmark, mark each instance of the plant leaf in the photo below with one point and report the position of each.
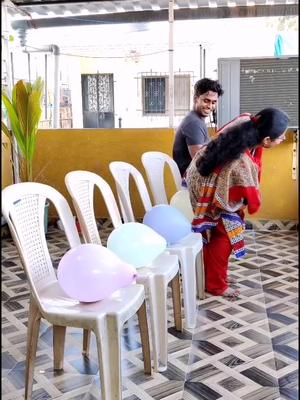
(38, 85)
(22, 109)
(35, 113)
(6, 131)
(24, 112)
(13, 97)
(14, 121)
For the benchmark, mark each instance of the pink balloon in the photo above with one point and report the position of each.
(91, 272)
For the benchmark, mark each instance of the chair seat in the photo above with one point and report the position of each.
(165, 265)
(191, 241)
(60, 309)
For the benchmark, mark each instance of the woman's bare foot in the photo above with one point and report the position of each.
(232, 293)
(231, 280)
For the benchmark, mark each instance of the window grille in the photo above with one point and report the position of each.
(154, 94)
(155, 89)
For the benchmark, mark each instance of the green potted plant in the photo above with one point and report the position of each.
(24, 111)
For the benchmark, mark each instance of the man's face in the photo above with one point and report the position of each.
(206, 103)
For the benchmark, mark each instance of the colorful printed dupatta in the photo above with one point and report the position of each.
(223, 195)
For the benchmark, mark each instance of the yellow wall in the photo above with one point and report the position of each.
(279, 191)
(61, 151)
(93, 149)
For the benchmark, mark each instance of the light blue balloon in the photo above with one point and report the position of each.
(136, 243)
(169, 222)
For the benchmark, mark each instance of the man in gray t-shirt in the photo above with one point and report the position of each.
(192, 132)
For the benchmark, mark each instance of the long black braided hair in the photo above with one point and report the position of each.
(234, 141)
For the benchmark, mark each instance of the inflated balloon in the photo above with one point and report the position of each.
(168, 222)
(136, 243)
(91, 272)
(181, 201)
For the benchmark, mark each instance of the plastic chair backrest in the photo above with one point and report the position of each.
(122, 172)
(23, 207)
(81, 186)
(154, 163)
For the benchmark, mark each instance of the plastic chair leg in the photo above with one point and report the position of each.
(188, 271)
(176, 295)
(109, 355)
(34, 319)
(162, 321)
(59, 335)
(144, 332)
(86, 342)
(150, 290)
(200, 274)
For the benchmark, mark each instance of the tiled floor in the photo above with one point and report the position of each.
(242, 349)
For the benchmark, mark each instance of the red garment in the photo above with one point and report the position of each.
(216, 254)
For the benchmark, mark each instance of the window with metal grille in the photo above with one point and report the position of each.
(155, 94)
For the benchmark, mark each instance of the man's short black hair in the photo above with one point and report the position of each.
(205, 84)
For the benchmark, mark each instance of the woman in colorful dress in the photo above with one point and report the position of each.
(223, 179)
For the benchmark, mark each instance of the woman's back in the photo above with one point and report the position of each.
(218, 191)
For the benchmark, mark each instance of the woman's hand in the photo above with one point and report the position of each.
(208, 235)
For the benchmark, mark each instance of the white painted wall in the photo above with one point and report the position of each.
(110, 48)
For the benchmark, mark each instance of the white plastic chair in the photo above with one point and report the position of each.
(23, 207)
(164, 269)
(187, 249)
(154, 163)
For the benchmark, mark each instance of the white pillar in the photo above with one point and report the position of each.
(171, 64)
(56, 97)
(6, 59)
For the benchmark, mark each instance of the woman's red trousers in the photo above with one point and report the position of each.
(216, 255)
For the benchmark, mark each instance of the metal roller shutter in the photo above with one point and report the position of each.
(270, 82)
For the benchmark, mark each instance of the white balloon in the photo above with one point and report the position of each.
(136, 243)
(181, 201)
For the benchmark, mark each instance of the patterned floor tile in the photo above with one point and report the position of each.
(200, 391)
(244, 349)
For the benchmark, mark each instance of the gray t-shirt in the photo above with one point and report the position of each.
(191, 131)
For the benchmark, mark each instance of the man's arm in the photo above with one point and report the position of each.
(193, 149)
(196, 136)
